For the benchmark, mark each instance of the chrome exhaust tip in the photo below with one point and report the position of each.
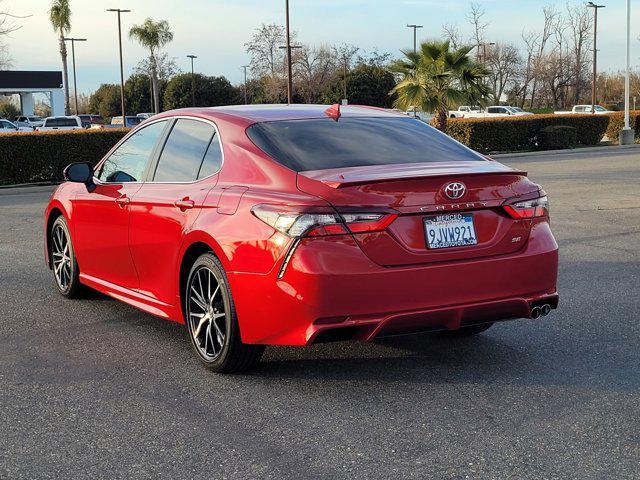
(536, 312)
(545, 309)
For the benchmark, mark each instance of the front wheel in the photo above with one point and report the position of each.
(212, 321)
(63, 259)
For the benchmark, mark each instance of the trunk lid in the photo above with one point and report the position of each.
(416, 192)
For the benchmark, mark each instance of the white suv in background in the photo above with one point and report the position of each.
(29, 121)
(9, 127)
(61, 123)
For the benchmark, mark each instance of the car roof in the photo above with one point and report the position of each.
(263, 113)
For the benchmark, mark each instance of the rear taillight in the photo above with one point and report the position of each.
(537, 207)
(320, 223)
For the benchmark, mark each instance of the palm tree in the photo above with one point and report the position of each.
(435, 78)
(60, 17)
(154, 36)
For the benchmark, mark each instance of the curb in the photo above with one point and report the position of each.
(608, 148)
(34, 184)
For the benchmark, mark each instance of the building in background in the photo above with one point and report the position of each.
(27, 83)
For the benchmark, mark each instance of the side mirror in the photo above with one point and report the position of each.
(80, 172)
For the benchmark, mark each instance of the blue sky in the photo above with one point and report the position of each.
(216, 30)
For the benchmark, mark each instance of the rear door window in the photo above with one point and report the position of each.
(184, 151)
(212, 160)
(322, 143)
(129, 161)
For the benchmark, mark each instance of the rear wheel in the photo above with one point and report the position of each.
(212, 321)
(63, 259)
(468, 331)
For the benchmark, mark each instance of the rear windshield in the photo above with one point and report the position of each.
(319, 144)
(61, 122)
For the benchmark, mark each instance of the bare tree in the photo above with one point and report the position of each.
(267, 57)
(580, 24)
(530, 39)
(504, 63)
(313, 68)
(550, 15)
(476, 17)
(451, 32)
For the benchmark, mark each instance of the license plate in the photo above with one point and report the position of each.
(450, 230)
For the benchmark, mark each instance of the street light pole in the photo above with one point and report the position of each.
(73, 61)
(627, 133)
(346, 67)
(119, 11)
(193, 81)
(595, 53)
(289, 70)
(415, 42)
(244, 67)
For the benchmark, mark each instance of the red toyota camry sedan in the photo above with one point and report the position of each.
(292, 225)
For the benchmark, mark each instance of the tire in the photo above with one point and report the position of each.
(467, 331)
(63, 259)
(211, 319)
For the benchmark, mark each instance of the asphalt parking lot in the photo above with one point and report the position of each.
(96, 389)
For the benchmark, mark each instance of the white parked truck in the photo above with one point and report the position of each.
(598, 110)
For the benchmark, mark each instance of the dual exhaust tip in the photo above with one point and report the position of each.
(540, 311)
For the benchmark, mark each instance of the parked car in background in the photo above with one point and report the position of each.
(144, 116)
(419, 114)
(504, 110)
(116, 122)
(598, 110)
(131, 121)
(9, 127)
(88, 120)
(72, 122)
(29, 121)
(464, 110)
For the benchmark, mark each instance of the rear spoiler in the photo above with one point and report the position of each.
(352, 176)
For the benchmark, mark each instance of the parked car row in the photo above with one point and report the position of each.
(598, 110)
(29, 123)
(465, 111)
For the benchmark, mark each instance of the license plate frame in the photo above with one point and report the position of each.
(451, 230)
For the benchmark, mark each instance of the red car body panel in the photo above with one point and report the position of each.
(131, 240)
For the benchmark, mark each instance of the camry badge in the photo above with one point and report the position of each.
(454, 190)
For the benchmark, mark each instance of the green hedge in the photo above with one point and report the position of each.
(616, 123)
(557, 137)
(502, 134)
(41, 156)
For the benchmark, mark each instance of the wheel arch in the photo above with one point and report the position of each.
(194, 246)
(54, 211)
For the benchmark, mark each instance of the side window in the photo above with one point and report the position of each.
(184, 151)
(492, 110)
(212, 160)
(128, 162)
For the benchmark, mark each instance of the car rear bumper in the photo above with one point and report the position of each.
(331, 290)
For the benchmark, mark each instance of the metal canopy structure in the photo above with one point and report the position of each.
(26, 83)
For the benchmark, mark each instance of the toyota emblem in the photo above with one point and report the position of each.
(455, 190)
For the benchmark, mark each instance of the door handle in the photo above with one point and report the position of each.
(123, 201)
(184, 204)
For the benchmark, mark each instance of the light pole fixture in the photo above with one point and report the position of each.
(120, 11)
(193, 81)
(415, 28)
(484, 50)
(73, 61)
(244, 67)
(288, 47)
(595, 53)
(627, 133)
